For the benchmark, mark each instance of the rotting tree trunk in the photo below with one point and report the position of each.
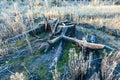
(59, 51)
(82, 43)
(56, 57)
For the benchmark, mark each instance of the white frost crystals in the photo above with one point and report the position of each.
(17, 76)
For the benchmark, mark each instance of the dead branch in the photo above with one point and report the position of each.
(55, 27)
(55, 40)
(87, 44)
(44, 46)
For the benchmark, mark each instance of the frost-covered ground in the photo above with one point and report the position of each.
(102, 21)
(98, 15)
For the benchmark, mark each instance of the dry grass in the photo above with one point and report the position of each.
(110, 23)
(85, 10)
(14, 16)
(99, 15)
(110, 66)
(96, 15)
(79, 67)
(108, 15)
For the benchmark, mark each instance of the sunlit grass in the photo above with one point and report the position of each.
(101, 15)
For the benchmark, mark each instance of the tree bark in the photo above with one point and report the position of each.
(87, 44)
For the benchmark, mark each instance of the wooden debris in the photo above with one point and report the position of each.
(87, 44)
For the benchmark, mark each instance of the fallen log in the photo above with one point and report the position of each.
(39, 29)
(80, 42)
(43, 39)
(59, 50)
(87, 44)
(44, 47)
(56, 57)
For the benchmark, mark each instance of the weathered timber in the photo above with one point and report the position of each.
(43, 39)
(55, 27)
(59, 50)
(58, 31)
(44, 46)
(56, 57)
(49, 42)
(65, 29)
(46, 22)
(70, 30)
(39, 29)
(55, 40)
(87, 44)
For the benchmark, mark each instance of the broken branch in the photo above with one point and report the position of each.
(87, 44)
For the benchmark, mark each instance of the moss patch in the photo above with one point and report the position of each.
(28, 60)
(65, 57)
(42, 71)
(20, 43)
(31, 38)
(37, 52)
(43, 34)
